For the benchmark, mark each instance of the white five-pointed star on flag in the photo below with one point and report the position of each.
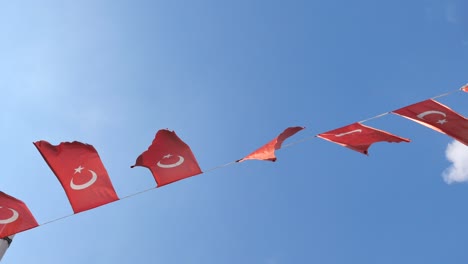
(442, 121)
(78, 170)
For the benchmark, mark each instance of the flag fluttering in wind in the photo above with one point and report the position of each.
(359, 137)
(439, 117)
(79, 169)
(168, 158)
(267, 151)
(15, 216)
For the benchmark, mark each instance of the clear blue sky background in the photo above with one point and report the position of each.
(228, 76)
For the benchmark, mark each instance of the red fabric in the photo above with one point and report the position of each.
(465, 88)
(267, 151)
(439, 117)
(81, 173)
(15, 216)
(168, 158)
(359, 137)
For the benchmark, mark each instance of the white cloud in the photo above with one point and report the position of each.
(457, 153)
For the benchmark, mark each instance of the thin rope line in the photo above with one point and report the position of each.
(377, 116)
(57, 219)
(449, 93)
(297, 142)
(135, 194)
(220, 166)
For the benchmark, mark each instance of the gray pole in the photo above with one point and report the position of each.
(4, 244)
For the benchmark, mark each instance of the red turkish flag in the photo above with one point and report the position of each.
(168, 158)
(359, 137)
(439, 117)
(81, 173)
(15, 216)
(267, 151)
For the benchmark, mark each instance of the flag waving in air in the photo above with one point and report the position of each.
(267, 151)
(168, 158)
(15, 216)
(439, 117)
(79, 169)
(359, 137)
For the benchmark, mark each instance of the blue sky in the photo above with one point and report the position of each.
(228, 76)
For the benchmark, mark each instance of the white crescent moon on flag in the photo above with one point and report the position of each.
(13, 218)
(350, 132)
(84, 185)
(168, 166)
(423, 114)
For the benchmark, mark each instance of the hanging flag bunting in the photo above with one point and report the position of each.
(81, 173)
(359, 137)
(168, 158)
(15, 216)
(267, 151)
(439, 117)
